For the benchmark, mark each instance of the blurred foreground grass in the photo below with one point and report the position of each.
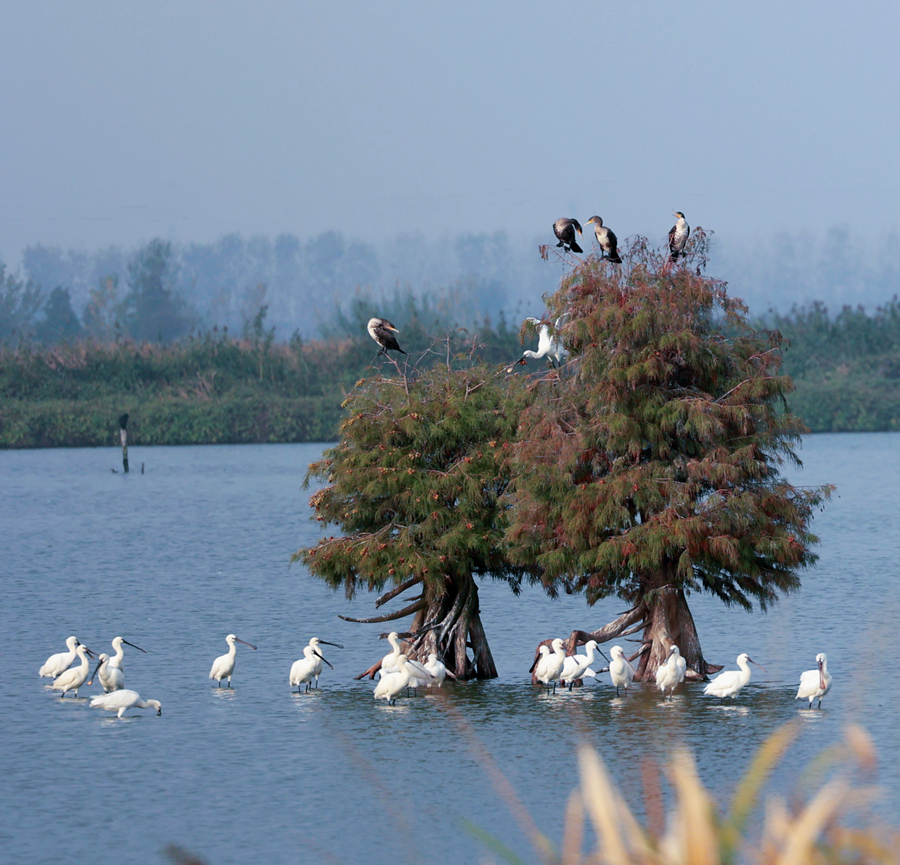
(833, 825)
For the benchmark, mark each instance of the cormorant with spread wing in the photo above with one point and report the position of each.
(678, 235)
(380, 330)
(607, 240)
(565, 229)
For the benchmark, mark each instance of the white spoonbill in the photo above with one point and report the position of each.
(620, 670)
(578, 666)
(815, 683)
(73, 678)
(119, 701)
(55, 664)
(317, 658)
(389, 661)
(223, 666)
(729, 683)
(111, 678)
(116, 659)
(303, 670)
(671, 674)
(437, 670)
(549, 345)
(391, 684)
(551, 664)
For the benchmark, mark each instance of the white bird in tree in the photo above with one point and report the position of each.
(73, 678)
(729, 683)
(549, 344)
(111, 678)
(304, 670)
(56, 664)
(815, 683)
(119, 701)
(579, 666)
(116, 659)
(223, 666)
(391, 684)
(551, 663)
(671, 674)
(620, 670)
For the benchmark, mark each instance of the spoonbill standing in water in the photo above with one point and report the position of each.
(389, 661)
(111, 678)
(551, 664)
(437, 669)
(578, 666)
(729, 683)
(223, 666)
(304, 669)
(815, 683)
(620, 670)
(391, 684)
(119, 701)
(73, 678)
(56, 664)
(116, 659)
(318, 659)
(671, 674)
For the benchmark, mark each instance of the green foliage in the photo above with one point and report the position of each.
(416, 483)
(59, 324)
(846, 368)
(19, 304)
(656, 462)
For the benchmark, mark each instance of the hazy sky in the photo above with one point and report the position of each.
(187, 120)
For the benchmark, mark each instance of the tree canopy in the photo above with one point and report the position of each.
(653, 469)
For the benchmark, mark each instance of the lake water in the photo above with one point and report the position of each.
(198, 546)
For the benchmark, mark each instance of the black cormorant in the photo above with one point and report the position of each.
(380, 330)
(678, 236)
(607, 239)
(565, 229)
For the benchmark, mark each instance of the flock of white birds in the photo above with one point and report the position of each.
(398, 672)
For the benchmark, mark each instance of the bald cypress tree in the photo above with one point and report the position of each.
(653, 469)
(415, 486)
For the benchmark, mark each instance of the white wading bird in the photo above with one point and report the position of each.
(389, 661)
(223, 666)
(548, 345)
(671, 674)
(55, 664)
(551, 664)
(815, 683)
(579, 666)
(73, 678)
(391, 684)
(119, 701)
(318, 659)
(729, 683)
(111, 678)
(620, 670)
(116, 659)
(437, 670)
(304, 670)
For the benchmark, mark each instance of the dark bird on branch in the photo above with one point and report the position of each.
(607, 239)
(565, 229)
(380, 330)
(678, 236)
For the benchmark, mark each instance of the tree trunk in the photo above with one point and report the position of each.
(671, 623)
(448, 624)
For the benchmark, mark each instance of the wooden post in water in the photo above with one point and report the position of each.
(123, 435)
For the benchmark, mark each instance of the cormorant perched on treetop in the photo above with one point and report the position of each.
(380, 330)
(607, 239)
(565, 229)
(678, 236)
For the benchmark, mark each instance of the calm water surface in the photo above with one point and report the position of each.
(198, 547)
